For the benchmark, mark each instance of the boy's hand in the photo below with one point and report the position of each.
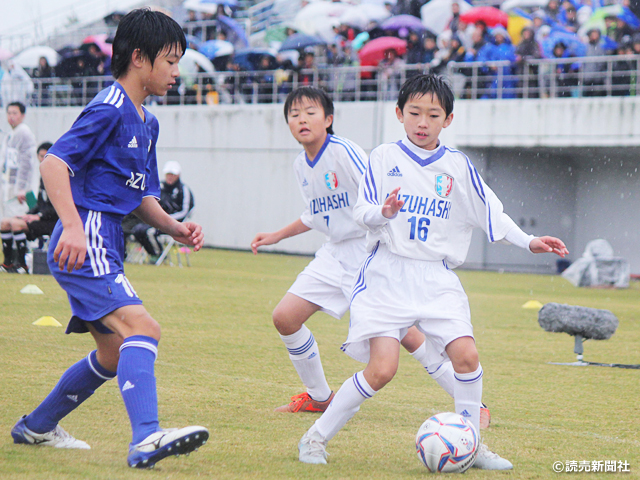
(392, 204)
(548, 244)
(263, 239)
(71, 249)
(189, 233)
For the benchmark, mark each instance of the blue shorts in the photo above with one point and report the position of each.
(99, 287)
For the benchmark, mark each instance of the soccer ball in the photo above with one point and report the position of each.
(447, 443)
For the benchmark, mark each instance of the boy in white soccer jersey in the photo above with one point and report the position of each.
(419, 201)
(328, 171)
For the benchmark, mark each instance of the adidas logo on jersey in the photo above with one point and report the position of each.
(133, 143)
(73, 398)
(305, 183)
(395, 172)
(127, 386)
(464, 413)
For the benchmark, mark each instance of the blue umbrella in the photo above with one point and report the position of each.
(249, 59)
(300, 41)
(403, 21)
(216, 48)
(234, 31)
(571, 41)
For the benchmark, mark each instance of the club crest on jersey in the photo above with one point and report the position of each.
(444, 185)
(331, 179)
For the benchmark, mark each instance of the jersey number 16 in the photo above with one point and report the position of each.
(419, 224)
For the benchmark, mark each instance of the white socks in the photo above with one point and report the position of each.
(304, 353)
(344, 406)
(468, 396)
(441, 373)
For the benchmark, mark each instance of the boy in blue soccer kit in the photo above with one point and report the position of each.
(103, 168)
(419, 202)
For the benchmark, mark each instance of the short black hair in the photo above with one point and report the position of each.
(314, 94)
(20, 106)
(149, 31)
(420, 85)
(44, 146)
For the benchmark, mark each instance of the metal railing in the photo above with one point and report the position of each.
(550, 78)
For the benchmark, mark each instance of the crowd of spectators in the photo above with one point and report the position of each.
(564, 31)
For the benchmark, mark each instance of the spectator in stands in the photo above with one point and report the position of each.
(566, 72)
(539, 19)
(307, 68)
(594, 71)
(622, 29)
(176, 199)
(38, 221)
(265, 80)
(455, 19)
(391, 73)
(415, 50)
(570, 17)
(636, 43)
(528, 49)
(611, 26)
(553, 12)
(623, 70)
(43, 71)
(16, 85)
(430, 48)
(502, 50)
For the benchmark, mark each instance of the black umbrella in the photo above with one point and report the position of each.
(300, 41)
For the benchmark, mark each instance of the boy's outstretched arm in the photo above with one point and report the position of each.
(189, 233)
(72, 246)
(548, 244)
(291, 230)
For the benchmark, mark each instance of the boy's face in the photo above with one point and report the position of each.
(424, 118)
(307, 121)
(159, 78)
(14, 116)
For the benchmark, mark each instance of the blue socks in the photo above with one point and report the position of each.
(76, 385)
(137, 384)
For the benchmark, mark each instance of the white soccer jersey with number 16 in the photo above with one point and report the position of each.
(444, 199)
(329, 187)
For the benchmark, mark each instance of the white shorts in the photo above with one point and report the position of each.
(328, 280)
(393, 293)
(13, 208)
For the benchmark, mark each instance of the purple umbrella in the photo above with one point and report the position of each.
(403, 21)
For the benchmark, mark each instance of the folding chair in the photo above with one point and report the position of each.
(171, 247)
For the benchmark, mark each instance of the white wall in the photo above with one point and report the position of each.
(537, 155)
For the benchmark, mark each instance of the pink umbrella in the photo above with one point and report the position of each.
(489, 15)
(100, 40)
(373, 51)
(5, 54)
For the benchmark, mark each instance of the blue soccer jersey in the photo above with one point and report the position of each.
(111, 154)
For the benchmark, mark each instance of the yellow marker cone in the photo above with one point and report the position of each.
(47, 322)
(31, 289)
(533, 305)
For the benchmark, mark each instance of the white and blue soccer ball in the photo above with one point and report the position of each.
(447, 443)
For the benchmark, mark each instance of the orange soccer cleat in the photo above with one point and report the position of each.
(485, 417)
(304, 403)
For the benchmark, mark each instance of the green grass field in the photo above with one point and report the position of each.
(222, 365)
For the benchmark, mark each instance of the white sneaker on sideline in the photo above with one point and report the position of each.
(312, 448)
(57, 438)
(488, 460)
(159, 445)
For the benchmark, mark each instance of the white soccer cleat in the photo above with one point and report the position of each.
(57, 438)
(312, 448)
(159, 445)
(488, 460)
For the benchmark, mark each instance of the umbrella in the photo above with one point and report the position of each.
(436, 15)
(300, 41)
(193, 61)
(489, 15)
(234, 31)
(379, 2)
(533, 4)
(249, 59)
(205, 6)
(516, 24)
(403, 21)
(373, 51)
(276, 33)
(193, 41)
(572, 41)
(30, 57)
(319, 18)
(5, 54)
(68, 64)
(99, 41)
(360, 40)
(359, 16)
(216, 48)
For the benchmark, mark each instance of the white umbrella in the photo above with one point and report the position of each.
(318, 18)
(198, 6)
(359, 16)
(511, 4)
(436, 14)
(378, 2)
(30, 57)
(193, 59)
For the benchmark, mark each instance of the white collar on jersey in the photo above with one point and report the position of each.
(420, 152)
